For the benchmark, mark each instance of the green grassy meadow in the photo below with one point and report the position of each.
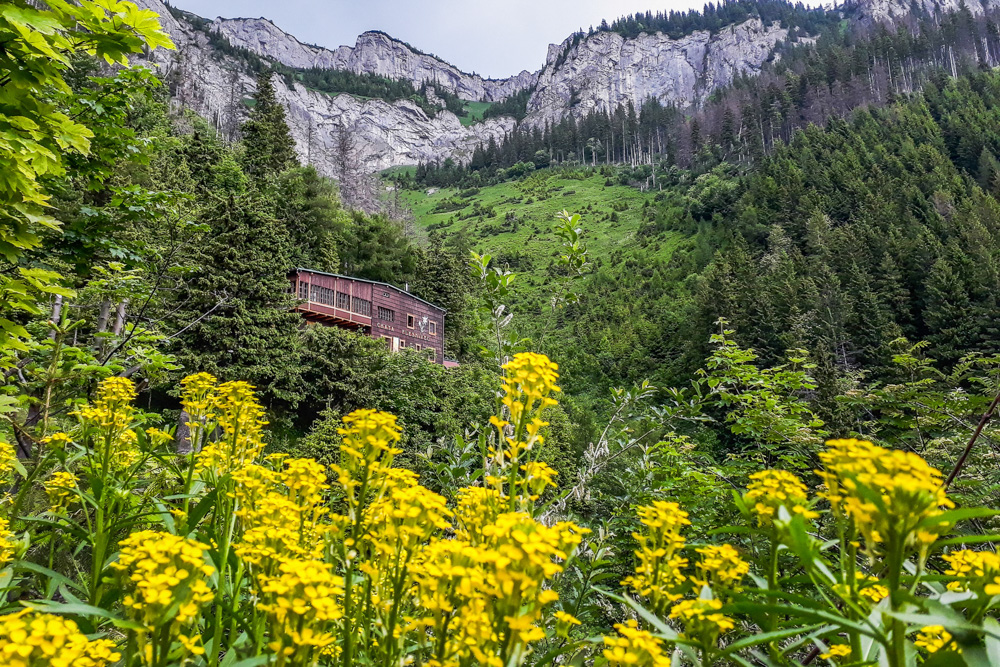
(513, 221)
(474, 112)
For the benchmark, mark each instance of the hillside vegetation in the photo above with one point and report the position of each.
(724, 413)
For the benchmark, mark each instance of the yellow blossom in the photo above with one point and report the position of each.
(977, 571)
(32, 639)
(635, 648)
(836, 652)
(60, 488)
(303, 602)
(164, 580)
(8, 545)
(932, 638)
(771, 489)
(658, 574)
(885, 493)
(720, 567)
(241, 418)
(701, 619)
(7, 459)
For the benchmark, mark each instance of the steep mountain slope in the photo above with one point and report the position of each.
(586, 73)
(386, 134)
(606, 69)
(374, 53)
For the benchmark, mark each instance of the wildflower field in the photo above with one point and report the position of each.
(117, 550)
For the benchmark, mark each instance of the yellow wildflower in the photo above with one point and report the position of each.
(907, 489)
(635, 648)
(564, 622)
(537, 477)
(771, 489)
(32, 639)
(720, 567)
(7, 459)
(475, 508)
(8, 545)
(658, 574)
(701, 619)
(932, 638)
(60, 487)
(303, 602)
(241, 419)
(978, 571)
(164, 579)
(836, 652)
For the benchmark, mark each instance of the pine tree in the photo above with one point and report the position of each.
(268, 144)
(236, 307)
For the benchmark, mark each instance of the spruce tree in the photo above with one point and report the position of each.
(268, 146)
(236, 308)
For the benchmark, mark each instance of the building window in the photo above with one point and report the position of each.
(409, 321)
(387, 341)
(431, 354)
(434, 328)
(343, 301)
(402, 343)
(361, 306)
(386, 314)
(304, 291)
(418, 347)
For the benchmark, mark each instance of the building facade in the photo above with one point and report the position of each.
(380, 310)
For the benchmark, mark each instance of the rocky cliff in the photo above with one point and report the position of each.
(373, 53)
(597, 72)
(606, 69)
(889, 11)
(386, 134)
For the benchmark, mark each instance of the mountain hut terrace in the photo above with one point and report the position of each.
(379, 310)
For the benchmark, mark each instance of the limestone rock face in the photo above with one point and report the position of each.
(375, 53)
(606, 69)
(385, 134)
(889, 11)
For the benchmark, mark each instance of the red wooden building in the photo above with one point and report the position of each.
(379, 310)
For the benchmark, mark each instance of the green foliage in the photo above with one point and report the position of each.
(36, 133)
(268, 145)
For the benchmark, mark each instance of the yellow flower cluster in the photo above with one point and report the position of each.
(60, 488)
(164, 579)
(406, 517)
(32, 639)
(7, 543)
(635, 648)
(281, 513)
(701, 619)
(366, 453)
(7, 459)
(979, 571)
(658, 575)
(486, 600)
(107, 422)
(836, 652)
(720, 567)
(302, 602)
(236, 411)
(476, 507)
(771, 489)
(887, 494)
(932, 638)
(871, 589)
(528, 383)
(537, 477)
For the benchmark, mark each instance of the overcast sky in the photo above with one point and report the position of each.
(494, 38)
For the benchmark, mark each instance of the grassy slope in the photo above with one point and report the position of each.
(525, 240)
(474, 112)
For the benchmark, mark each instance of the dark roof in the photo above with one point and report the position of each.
(373, 282)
